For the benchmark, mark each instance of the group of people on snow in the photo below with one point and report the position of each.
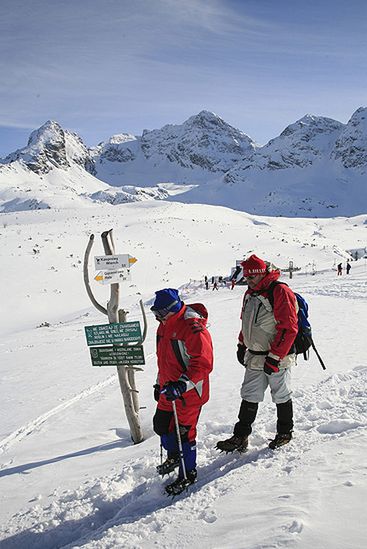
(185, 359)
(339, 269)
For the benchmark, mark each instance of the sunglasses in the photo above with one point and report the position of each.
(161, 314)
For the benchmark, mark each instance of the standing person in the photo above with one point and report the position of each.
(265, 348)
(233, 283)
(340, 269)
(185, 360)
(215, 285)
(349, 266)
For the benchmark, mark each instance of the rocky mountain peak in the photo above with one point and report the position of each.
(351, 146)
(205, 119)
(119, 138)
(50, 146)
(116, 149)
(203, 141)
(309, 126)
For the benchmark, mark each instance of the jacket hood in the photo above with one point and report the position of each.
(199, 308)
(266, 281)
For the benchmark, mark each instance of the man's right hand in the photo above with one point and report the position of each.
(241, 349)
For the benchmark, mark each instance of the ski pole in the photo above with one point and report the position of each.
(179, 440)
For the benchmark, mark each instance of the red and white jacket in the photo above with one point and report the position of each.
(185, 350)
(268, 330)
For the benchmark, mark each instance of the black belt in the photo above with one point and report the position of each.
(258, 352)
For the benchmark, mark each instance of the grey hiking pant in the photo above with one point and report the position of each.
(256, 382)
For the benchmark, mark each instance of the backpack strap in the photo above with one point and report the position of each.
(270, 291)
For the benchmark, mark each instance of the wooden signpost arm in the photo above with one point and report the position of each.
(97, 305)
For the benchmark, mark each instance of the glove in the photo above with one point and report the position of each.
(271, 365)
(157, 392)
(241, 349)
(174, 389)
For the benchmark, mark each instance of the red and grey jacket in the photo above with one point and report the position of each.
(268, 329)
(185, 350)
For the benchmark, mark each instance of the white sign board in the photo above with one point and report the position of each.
(113, 277)
(113, 262)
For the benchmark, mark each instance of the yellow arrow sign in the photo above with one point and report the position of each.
(99, 277)
(132, 260)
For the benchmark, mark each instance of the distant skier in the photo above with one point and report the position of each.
(349, 266)
(340, 269)
(185, 360)
(265, 349)
(215, 285)
(233, 283)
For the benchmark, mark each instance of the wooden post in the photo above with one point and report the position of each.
(126, 374)
(291, 269)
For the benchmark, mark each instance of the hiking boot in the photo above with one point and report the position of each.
(280, 440)
(233, 443)
(168, 466)
(181, 484)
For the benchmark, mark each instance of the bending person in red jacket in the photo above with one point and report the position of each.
(185, 360)
(265, 348)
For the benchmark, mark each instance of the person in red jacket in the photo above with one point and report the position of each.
(185, 360)
(265, 348)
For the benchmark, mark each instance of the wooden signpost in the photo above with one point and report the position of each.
(118, 343)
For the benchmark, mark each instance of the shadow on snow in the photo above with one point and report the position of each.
(143, 500)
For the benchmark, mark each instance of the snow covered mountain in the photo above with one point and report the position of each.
(195, 151)
(52, 147)
(315, 167)
(351, 146)
(56, 170)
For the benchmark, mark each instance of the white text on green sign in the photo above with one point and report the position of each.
(106, 334)
(117, 356)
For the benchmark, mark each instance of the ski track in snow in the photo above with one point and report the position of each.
(129, 509)
(36, 423)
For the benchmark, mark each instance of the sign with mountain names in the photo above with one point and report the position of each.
(116, 332)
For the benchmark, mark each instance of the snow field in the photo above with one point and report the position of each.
(69, 475)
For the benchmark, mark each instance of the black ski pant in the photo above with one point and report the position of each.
(247, 415)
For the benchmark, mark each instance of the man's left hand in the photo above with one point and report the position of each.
(271, 365)
(174, 389)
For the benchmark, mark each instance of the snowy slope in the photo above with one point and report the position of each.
(69, 475)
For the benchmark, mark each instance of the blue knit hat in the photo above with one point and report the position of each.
(167, 299)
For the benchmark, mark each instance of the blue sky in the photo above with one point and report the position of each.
(101, 67)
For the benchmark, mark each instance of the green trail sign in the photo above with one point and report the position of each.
(114, 333)
(117, 356)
